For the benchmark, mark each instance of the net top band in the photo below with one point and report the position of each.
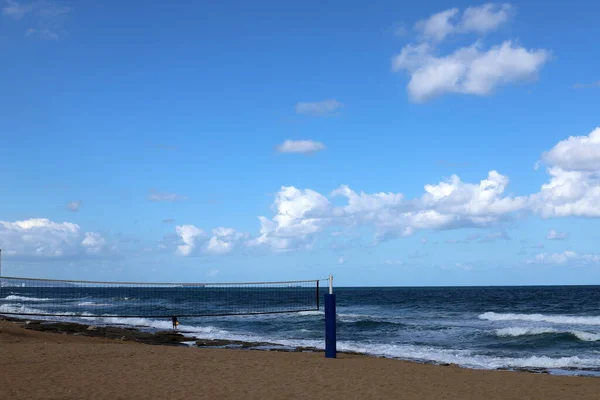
(164, 283)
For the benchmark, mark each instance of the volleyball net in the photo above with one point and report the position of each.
(69, 298)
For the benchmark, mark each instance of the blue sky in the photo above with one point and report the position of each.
(445, 143)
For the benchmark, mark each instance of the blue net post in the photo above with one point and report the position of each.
(330, 319)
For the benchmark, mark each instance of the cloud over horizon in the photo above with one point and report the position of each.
(300, 215)
(41, 238)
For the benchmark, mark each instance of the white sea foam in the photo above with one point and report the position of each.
(23, 298)
(521, 331)
(23, 310)
(465, 358)
(554, 319)
(91, 304)
(315, 312)
(156, 324)
(17, 308)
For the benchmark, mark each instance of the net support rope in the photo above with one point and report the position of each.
(70, 298)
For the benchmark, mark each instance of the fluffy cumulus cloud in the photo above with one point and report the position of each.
(223, 240)
(43, 238)
(485, 18)
(301, 215)
(577, 153)
(574, 185)
(93, 243)
(481, 19)
(300, 146)
(194, 241)
(189, 235)
(468, 70)
(439, 25)
(322, 108)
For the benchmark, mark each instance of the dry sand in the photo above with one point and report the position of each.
(41, 365)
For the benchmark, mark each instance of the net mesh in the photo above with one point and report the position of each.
(43, 297)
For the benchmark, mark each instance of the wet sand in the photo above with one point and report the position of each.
(42, 365)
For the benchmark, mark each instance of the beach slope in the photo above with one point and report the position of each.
(41, 365)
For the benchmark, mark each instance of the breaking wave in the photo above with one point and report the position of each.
(554, 319)
(519, 331)
(23, 298)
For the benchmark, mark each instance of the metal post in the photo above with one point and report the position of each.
(0, 262)
(330, 319)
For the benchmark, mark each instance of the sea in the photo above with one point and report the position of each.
(552, 329)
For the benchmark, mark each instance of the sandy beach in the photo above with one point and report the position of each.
(42, 365)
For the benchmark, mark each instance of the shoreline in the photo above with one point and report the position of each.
(38, 364)
(154, 336)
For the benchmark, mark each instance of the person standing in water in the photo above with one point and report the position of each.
(175, 322)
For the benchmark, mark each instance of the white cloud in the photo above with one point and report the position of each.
(341, 260)
(481, 19)
(554, 235)
(74, 205)
(223, 240)
(577, 153)
(193, 240)
(485, 18)
(566, 257)
(483, 202)
(439, 25)
(574, 186)
(468, 70)
(299, 215)
(93, 243)
(302, 214)
(42, 238)
(319, 108)
(47, 16)
(158, 196)
(300, 146)
(189, 235)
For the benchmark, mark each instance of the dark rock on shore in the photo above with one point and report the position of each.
(109, 332)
